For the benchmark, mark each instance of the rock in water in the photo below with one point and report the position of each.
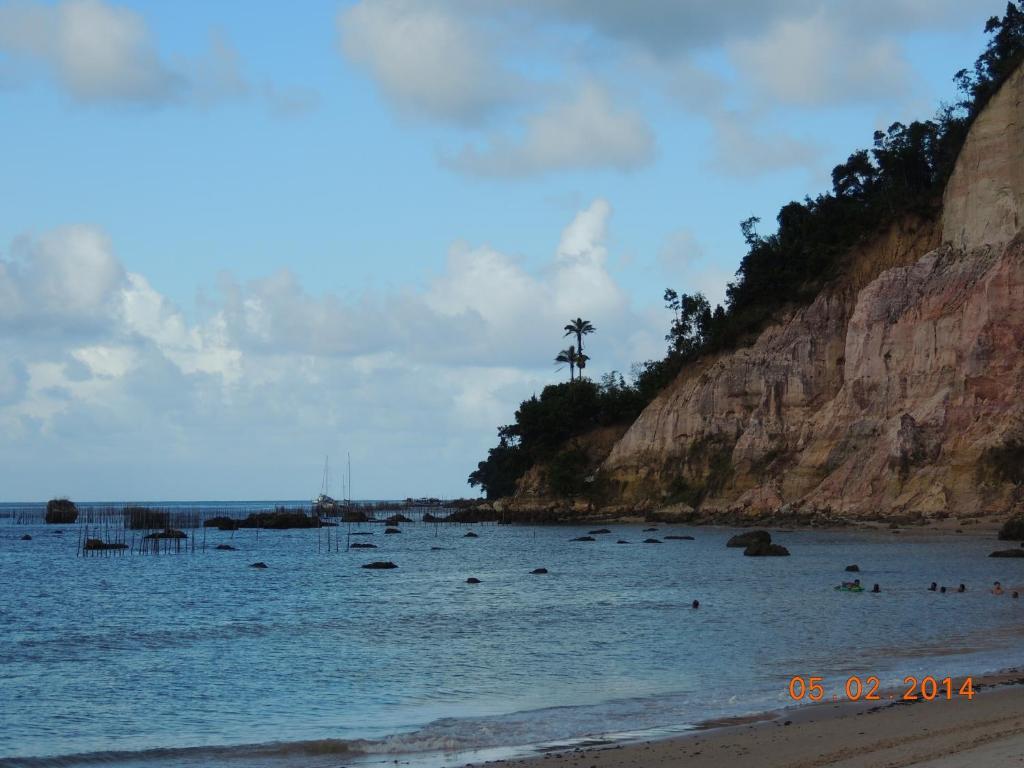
(679, 538)
(168, 533)
(362, 545)
(765, 549)
(622, 541)
(652, 541)
(599, 530)
(1008, 553)
(584, 538)
(258, 565)
(380, 565)
(853, 568)
(26, 537)
(748, 538)
(61, 512)
(391, 530)
(226, 548)
(471, 535)
(650, 530)
(397, 519)
(539, 571)
(472, 580)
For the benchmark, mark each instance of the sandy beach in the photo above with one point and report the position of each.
(985, 731)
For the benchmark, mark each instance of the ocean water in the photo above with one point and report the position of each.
(198, 659)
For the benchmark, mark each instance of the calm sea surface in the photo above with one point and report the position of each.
(197, 659)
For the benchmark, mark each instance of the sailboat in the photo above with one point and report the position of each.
(324, 504)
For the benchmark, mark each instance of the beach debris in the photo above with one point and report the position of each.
(765, 549)
(748, 538)
(472, 580)
(26, 537)
(98, 544)
(599, 530)
(679, 538)
(168, 533)
(391, 530)
(380, 565)
(260, 565)
(539, 571)
(584, 538)
(61, 512)
(226, 548)
(471, 535)
(1008, 553)
(652, 541)
(853, 568)
(363, 545)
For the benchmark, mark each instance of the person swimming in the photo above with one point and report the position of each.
(934, 587)
(961, 588)
(876, 589)
(997, 588)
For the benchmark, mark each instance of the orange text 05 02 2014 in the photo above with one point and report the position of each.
(869, 689)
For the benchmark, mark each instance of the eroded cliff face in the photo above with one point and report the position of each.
(878, 399)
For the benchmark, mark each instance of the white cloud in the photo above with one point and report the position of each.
(101, 53)
(97, 52)
(817, 60)
(586, 132)
(414, 383)
(427, 59)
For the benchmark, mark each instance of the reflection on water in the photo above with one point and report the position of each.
(199, 650)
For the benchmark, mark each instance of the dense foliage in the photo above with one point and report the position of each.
(902, 174)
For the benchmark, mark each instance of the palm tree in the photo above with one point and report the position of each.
(580, 328)
(568, 356)
(581, 363)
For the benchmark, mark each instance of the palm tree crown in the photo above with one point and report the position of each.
(579, 328)
(571, 357)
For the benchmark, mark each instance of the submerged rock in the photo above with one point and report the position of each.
(650, 530)
(679, 538)
(584, 538)
(471, 535)
(622, 541)
(853, 568)
(599, 530)
(362, 545)
(380, 565)
(539, 571)
(748, 538)
(26, 537)
(472, 580)
(226, 548)
(221, 522)
(391, 530)
(765, 549)
(99, 544)
(168, 533)
(1008, 553)
(260, 564)
(652, 541)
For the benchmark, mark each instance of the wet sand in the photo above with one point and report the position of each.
(985, 731)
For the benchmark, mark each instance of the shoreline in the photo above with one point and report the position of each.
(987, 730)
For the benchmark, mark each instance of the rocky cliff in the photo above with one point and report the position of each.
(880, 398)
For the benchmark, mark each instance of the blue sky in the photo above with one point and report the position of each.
(235, 237)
